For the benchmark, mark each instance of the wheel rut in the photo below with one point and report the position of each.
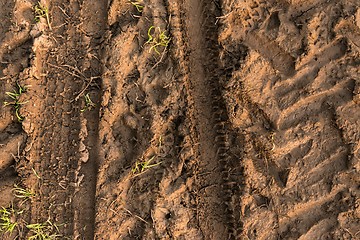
(210, 121)
(296, 152)
(61, 153)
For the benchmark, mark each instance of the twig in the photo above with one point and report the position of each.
(71, 73)
(161, 58)
(84, 89)
(80, 76)
(134, 215)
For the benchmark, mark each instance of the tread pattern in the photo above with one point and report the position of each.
(218, 178)
(299, 157)
(62, 66)
(246, 126)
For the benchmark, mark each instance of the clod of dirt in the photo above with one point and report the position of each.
(9, 149)
(6, 188)
(350, 223)
(358, 18)
(5, 120)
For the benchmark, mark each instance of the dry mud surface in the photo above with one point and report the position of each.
(245, 126)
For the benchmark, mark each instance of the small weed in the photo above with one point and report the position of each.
(159, 39)
(43, 231)
(23, 193)
(89, 104)
(7, 220)
(141, 167)
(16, 104)
(42, 11)
(138, 6)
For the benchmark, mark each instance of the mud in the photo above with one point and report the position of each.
(242, 124)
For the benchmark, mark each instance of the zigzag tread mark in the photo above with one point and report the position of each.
(312, 149)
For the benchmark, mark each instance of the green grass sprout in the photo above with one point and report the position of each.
(42, 11)
(157, 39)
(138, 6)
(142, 166)
(15, 103)
(7, 222)
(22, 193)
(43, 231)
(89, 104)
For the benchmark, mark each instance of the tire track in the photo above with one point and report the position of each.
(302, 156)
(291, 97)
(251, 19)
(65, 62)
(93, 17)
(215, 188)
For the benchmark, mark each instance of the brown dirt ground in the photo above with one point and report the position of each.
(245, 126)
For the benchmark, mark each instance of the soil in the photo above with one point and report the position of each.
(246, 125)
